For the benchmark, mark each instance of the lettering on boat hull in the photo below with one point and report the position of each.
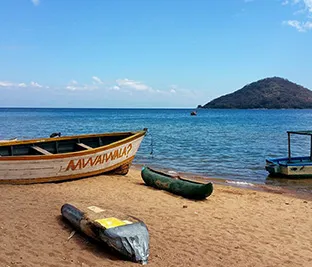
(91, 161)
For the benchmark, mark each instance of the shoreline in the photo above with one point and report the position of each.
(234, 226)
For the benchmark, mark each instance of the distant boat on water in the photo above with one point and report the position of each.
(193, 113)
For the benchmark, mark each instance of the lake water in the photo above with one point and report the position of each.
(226, 144)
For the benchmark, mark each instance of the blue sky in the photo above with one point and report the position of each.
(147, 53)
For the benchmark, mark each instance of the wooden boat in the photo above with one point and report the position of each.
(68, 157)
(123, 233)
(176, 185)
(292, 167)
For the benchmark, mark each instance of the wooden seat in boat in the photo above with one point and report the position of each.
(84, 146)
(41, 150)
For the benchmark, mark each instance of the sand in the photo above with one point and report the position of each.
(233, 227)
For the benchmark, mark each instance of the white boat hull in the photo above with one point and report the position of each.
(67, 166)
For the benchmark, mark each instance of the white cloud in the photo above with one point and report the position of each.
(300, 26)
(6, 84)
(114, 88)
(35, 2)
(71, 88)
(19, 85)
(305, 9)
(97, 80)
(119, 91)
(305, 4)
(35, 84)
(121, 86)
(131, 84)
(308, 4)
(173, 89)
(73, 85)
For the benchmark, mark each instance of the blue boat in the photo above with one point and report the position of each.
(292, 167)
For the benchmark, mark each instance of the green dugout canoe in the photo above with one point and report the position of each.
(178, 186)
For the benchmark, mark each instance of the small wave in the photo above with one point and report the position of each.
(239, 183)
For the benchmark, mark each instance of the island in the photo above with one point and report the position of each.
(268, 93)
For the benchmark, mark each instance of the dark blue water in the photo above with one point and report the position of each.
(229, 144)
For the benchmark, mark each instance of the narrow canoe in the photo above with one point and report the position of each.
(178, 186)
(67, 157)
(123, 233)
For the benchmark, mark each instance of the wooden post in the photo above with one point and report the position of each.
(311, 148)
(56, 147)
(289, 152)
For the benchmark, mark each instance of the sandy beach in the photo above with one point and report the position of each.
(233, 227)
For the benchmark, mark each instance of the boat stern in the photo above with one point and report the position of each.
(272, 166)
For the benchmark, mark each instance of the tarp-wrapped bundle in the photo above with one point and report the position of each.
(124, 233)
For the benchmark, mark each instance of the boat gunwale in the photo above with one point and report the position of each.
(176, 178)
(133, 136)
(305, 161)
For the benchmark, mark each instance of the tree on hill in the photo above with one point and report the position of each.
(269, 93)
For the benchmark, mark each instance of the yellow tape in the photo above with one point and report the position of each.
(111, 222)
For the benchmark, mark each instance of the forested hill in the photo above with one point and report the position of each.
(269, 93)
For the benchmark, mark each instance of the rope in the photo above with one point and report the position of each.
(152, 143)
